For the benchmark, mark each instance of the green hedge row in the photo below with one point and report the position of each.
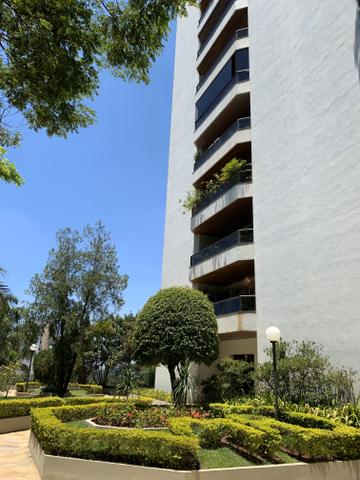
(21, 386)
(155, 394)
(212, 431)
(88, 387)
(22, 407)
(306, 435)
(133, 446)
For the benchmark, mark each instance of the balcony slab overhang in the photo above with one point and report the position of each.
(238, 5)
(241, 136)
(230, 257)
(237, 322)
(207, 15)
(237, 192)
(237, 45)
(224, 109)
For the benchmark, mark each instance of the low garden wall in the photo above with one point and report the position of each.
(14, 424)
(51, 467)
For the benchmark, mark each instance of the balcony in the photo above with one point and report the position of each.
(241, 303)
(240, 237)
(239, 34)
(240, 77)
(205, 12)
(243, 176)
(238, 125)
(215, 26)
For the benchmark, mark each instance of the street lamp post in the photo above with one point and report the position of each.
(273, 334)
(32, 351)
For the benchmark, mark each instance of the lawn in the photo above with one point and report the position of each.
(222, 458)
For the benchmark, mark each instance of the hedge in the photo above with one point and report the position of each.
(336, 443)
(21, 386)
(133, 446)
(155, 394)
(22, 407)
(91, 388)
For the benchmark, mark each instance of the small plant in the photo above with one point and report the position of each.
(9, 374)
(186, 390)
(196, 195)
(128, 381)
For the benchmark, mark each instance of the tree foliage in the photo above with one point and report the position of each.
(305, 375)
(176, 325)
(79, 286)
(109, 346)
(51, 53)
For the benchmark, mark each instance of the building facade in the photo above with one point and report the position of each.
(274, 83)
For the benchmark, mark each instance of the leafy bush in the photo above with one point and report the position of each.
(21, 386)
(305, 375)
(135, 416)
(235, 379)
(44, 367)
(348, 414)
(134, 446)
(9, 374)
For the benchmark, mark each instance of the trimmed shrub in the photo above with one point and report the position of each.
(91, 388)
(21, 386)
(22, 407)
(222, 409)
(184, 426)
(133, 446)
(155, 394)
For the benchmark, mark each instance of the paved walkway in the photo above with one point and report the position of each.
(15, 459)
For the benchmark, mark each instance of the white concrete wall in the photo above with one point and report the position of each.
(179, 240)
(306, 157)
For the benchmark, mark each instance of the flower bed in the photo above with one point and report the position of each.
(251, 431)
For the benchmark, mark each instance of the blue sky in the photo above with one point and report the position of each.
(114, 171)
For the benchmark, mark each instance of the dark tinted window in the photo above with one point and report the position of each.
(239, 61)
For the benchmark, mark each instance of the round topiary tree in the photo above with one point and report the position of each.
(176, 325)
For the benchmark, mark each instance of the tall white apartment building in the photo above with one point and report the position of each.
(276, 83)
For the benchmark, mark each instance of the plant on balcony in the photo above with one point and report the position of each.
(176, 326)
(195, 196)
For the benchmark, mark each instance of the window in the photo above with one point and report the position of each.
(245, 357)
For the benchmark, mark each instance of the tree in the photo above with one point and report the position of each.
(305, 375)
(9, 374)
(177, 325)
(109, 346)
(52, 52)
(79, 286)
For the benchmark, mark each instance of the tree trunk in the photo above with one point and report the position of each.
(171, 369)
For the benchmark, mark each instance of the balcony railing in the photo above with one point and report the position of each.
(215, 26)
(202, 16)
(239, 237)
(239, 124)
(242, 303)
(243, 176)
(239, 77)
(241, 33)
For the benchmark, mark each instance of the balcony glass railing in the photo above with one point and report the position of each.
(239, 124)
(243, 176)
(241, 303)
(239, 237)
(202, 16)
(215, 26)
(241, 33)
(239, 77)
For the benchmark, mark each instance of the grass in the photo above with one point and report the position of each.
(222, 458)
(285, 457)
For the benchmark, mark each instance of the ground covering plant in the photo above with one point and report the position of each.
(176, 326)
(195, 196)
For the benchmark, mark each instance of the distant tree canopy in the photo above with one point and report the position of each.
(79, 286)
(51, 53)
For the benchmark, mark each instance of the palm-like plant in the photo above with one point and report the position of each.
(4, 289)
